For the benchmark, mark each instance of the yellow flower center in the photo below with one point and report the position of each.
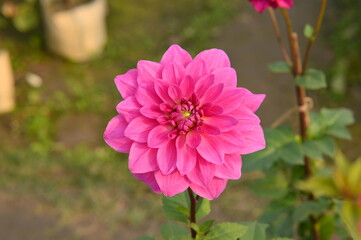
(186, 114)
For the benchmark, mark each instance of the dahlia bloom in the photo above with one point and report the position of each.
(261, 5)
(185, 123)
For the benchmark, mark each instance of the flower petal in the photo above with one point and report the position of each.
(173, 73)
(250, 100)
(212, 191)
(196, 69)
(193, 139)
(203, 172)
(227, 76)
(203, 84)
(129, 108)
(146, 95)
(171, 184)
(175, 93)
(176, 54)
(253, 140)
(142, 159)
(231, 169)
(149, 179)
(167, 157)
(139, 128)
(114, 135)
(230, 99)
(223, 122)
(148, 71)
(285, 3)
(186, 156)
(215, 58)
(158, 136)
(212, 93)
(151, 111)
(211, 130)
(210, 149)
(127, 83)
(161, 88)
(187, 86)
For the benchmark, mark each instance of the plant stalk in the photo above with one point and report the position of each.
(192, 216)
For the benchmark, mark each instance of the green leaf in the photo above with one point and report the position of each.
(206, 225)
(145, 238)
(327, 226)
(327, 145)
(203, 208)
(310, 149)
(319, 186)
(291, 153)
(176, 207)
(171, 231)
(271, 186)
(279, 67)
(255, 231)
(312, 79)
(27, 17)
(308, 208)
(276, 138)
(340, 116)
(226, 231)
(308, 31)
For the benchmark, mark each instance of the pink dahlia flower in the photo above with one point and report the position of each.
(261, 5)
(185, 123)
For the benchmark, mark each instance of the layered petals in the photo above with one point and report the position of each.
(185, 123)
(261, 5)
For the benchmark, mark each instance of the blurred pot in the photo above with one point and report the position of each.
(7, 89)
(79, 33)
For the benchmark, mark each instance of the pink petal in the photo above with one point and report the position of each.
(161, 88)
(196, 69)
(212, 191)
(245, 117)
(129, 108)
(214, 58)
(232, 141)
(175, 93)
(187, 86)
(229, 100)
(142, 159)
(253, 140)
(211, 130)
(114, 135)
(148, 71)
(212, 93)
(203, 172)
(203, 84)
(139, 128)
(210, 149)
(231, 169)
(285, 3)
(173, 73)
(158, 136)
(260, 5)
(186, 156)
(176, 54)
(146, 95)
(193, 139)
(211, 110)
(127, 83)
(167, 157)
(223, 122)
(227, 76)
(250, 100)
(149, 179)
(151, 111)
(171, 184)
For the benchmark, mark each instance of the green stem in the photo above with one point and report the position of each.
(192, 216)
(314, 35)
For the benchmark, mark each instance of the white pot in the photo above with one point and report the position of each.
(78, 33)
(7, 88)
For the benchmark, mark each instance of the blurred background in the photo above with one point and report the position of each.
(58, 59)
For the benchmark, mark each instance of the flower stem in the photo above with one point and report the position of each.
(192, 216)
(314, 34)
(276, 28)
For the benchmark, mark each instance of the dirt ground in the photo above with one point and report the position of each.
(248, 41)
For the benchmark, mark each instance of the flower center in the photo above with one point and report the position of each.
(186, 116)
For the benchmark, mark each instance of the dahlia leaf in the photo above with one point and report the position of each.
(279, 67)
(172, 207)
(272, 186)
(172, 231)
(308, 31)
(308, 208)
(312, 79)
(203, 208)
(226, 231)
(255, 231)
